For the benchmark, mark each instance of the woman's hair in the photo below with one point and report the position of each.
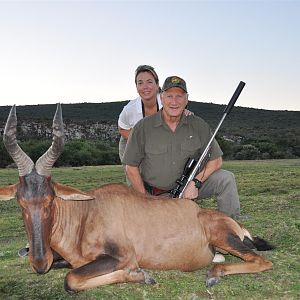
(146, 68)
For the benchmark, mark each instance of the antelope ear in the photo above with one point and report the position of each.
(8, 192)
(68, 193)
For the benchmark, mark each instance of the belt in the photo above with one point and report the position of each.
(153, 190)
(156, 191)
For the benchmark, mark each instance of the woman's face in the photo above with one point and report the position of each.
(146, 86)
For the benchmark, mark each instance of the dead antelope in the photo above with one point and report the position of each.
(110, 234)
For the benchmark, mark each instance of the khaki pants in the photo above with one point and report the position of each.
(222, 185)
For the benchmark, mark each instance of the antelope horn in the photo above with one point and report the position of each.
(22, 160)
(46, 161)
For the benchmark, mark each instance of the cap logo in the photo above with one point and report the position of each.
(175, 80)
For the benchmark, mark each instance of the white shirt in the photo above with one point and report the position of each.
(132, 112)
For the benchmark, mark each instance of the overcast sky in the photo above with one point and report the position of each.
(87, 51)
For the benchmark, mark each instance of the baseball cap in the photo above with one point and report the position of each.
(146, 68)
(174, 81)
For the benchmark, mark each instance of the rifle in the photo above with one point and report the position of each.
(192, 166)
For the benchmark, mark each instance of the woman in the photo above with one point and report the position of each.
(148, 103)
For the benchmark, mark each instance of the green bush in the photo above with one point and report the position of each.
(76, 153)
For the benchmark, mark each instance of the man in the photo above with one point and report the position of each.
(160, 145)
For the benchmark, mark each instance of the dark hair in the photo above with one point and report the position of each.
(146, 68)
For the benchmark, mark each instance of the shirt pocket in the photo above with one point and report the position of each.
(191, 148)
(157, 149)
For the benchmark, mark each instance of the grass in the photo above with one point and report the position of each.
(269, 192)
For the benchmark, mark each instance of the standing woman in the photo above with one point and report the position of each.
(147, 104)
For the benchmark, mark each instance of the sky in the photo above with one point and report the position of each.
(87, 51)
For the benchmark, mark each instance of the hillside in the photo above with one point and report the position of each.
(245, 122)
(246, 133)
(109, 112)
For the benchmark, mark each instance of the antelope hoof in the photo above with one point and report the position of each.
(68, 288)
(148, 279)
(212, 281)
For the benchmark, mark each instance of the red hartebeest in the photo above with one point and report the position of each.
(108, 234)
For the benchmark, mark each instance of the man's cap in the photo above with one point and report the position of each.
(146, 68)
(174, 81)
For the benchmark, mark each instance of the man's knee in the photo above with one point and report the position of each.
(222, 184)
(218, 183)
(224, 178)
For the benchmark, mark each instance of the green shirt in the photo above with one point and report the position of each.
(161, 154)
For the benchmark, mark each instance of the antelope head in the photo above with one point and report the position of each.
(35, 190)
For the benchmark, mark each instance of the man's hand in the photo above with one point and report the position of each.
(188, 112)
(191, 192)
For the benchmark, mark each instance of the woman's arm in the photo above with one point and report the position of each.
(124, 132)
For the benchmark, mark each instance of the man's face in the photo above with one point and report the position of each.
(174, 101)
(146, 85)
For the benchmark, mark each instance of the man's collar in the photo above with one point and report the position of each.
(159, 121)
